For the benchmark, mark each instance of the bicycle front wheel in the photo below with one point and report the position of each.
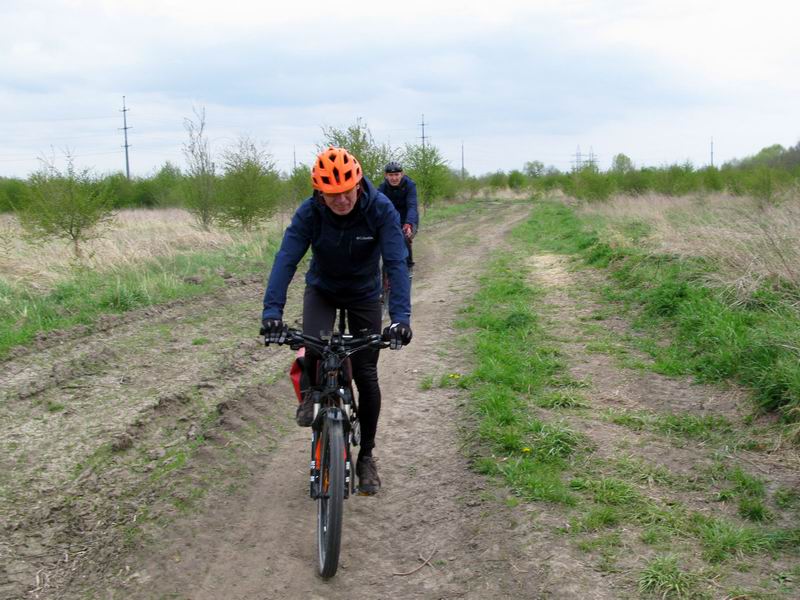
(330, 501)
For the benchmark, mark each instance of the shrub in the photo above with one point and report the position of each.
(67, 204)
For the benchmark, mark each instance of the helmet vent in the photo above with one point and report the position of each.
(326, 180)
(336, 176)
(348, 176)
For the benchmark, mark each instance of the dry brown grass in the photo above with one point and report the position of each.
(750, 241)
(135, 236)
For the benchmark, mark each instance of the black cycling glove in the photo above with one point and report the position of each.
(398, 335)
(274, 331)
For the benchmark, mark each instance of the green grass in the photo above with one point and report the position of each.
(688, 425)
(561, 399)
(663, 577)
(757, 344)
(426, 383)
(786, 498)
(444, 211)
(753, 509)
(642, 472)
(520, 368)
(722, 539)
(85, 295)
(608, 491)
(596, 518)
(514, 365)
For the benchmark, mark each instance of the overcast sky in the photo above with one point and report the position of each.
(513, 81)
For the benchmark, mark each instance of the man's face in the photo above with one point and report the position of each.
(394, 178)
(343, 203)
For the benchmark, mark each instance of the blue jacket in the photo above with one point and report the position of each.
(404, 198)
(346, 253)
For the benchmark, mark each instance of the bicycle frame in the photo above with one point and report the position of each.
(332, 399)
(333, 430)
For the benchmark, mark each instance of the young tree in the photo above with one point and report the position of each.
(621, 164)
(68, 204)
(12, 194)
(200, 180)
(516, 180)
(357, 139)
(299, 185)
(166, 185)
(425, 165)
(250, 186)
(534, 169)
(497, 180)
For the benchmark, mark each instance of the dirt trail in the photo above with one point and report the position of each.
(594, 348)
(157, 458)
(96, 426)
(260, 544)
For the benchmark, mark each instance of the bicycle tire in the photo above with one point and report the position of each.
(330, 502)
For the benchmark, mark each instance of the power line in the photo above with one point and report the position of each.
(72, 155)
(60, 119)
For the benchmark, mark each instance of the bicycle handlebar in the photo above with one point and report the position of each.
(349, 345)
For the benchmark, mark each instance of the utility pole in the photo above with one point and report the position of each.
(462, 159)
(423, 130)
(125, 128)
(592, 159)
(577, 161)
(712, 150)
(294, 158)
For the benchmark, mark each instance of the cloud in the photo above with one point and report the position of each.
(526, 80)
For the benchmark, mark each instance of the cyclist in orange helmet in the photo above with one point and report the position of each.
(350, 227)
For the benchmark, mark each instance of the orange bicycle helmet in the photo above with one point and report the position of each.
(335, 171)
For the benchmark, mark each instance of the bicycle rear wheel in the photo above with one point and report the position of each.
(330, 502)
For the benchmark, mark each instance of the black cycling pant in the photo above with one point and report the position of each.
(319, 314)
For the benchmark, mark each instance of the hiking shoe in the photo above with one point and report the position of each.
(305, 412)
(368, 481)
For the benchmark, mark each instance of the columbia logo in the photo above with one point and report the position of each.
(364, 238)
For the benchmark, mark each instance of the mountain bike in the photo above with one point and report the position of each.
(334, 429)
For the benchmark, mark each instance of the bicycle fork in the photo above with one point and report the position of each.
(316, 490)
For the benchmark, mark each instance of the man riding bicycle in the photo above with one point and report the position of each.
(402, 191)
(350, 227)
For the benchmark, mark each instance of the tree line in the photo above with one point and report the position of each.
(241, 187)
(767, 175)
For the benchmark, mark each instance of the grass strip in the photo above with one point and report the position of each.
(757, 344)
(86, 295)
(515, 364)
